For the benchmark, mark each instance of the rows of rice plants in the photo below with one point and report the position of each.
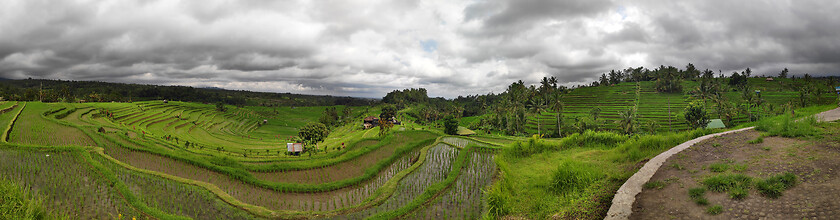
(465, 198)
(31, 128)
(67, 183)
(437, 166)
(174, 197)
(276, 200)
(461, 142)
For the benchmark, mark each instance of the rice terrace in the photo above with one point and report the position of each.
(458, 109)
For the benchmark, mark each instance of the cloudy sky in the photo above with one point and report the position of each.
(367, 48)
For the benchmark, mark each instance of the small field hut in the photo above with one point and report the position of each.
(294, 148)
(370, 122)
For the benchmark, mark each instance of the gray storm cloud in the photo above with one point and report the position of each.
(367, 48)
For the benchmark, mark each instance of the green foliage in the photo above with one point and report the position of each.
(738, 193)
(695, 115)
(757, 140)
(727, 182)
(714, 210)
(668, 81)
(696, 192)
(496, 200)
(19, 203)
(313, 133)
(785, 126)
(220, 106)
(65, 113)
(388, 111)
(738, 80)
(654, 185)
(573, 175)
(587, 139)
(450, 125)
(718, 167)
(627, 121)
(698, 195)
(774, 186)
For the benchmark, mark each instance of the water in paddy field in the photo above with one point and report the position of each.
(438, 164)
(465, 198)
(68, 184)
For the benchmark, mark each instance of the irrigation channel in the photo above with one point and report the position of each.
(86, 167)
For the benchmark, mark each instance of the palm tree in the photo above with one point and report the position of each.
(557, 107)
(627, 123)
(537, 106)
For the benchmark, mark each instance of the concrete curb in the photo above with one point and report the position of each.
(622, 205)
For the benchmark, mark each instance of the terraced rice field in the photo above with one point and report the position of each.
(132, 160)
(664, 109)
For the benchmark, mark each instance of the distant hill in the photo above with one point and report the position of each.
(92, 91)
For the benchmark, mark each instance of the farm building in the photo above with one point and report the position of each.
(715, 123)
(769, 79)
(462, 131)
(370, 122)
(373, 121)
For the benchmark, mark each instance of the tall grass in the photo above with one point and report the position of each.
(19, 203)
(786, 126)
(587, 139)
(573, 175)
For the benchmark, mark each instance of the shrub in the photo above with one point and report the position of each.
(571, 175)
(696, 115)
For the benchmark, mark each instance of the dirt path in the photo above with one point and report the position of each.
(813, 162)
(625, 202)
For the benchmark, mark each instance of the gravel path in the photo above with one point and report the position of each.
(626, 195)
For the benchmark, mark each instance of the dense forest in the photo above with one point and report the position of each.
(90, 91)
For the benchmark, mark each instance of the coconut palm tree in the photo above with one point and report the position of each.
(627, 121)
(537, 106)
(557, 107)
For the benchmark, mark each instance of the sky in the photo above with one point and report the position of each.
(366, 48)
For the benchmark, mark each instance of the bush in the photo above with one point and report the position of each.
(572, 174)
(695, 115)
